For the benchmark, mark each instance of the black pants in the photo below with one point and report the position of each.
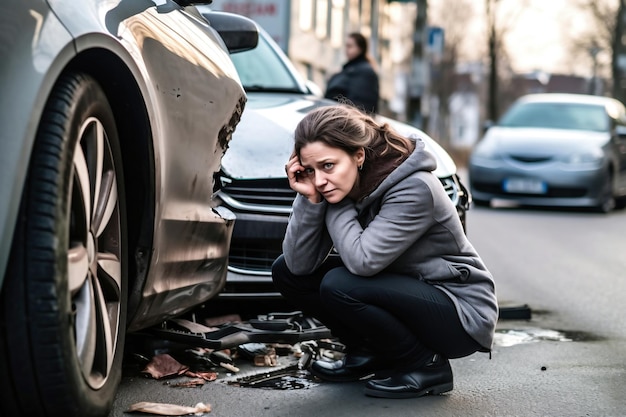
(398, 317)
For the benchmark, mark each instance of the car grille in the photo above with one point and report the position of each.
(452, 189)
(530, 159)
(255, 256)
(258, 196)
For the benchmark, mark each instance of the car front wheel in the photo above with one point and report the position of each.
(62, 317)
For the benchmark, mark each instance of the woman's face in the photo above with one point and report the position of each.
(352, 49)
(333, 171)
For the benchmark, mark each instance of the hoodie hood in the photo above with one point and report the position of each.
(419, 160)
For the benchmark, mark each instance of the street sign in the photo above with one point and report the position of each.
(435, 42)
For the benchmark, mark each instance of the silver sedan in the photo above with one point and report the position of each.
(562, 150)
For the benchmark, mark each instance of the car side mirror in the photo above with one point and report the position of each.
(238, 32)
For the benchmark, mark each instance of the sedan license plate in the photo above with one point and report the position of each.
(524, 185)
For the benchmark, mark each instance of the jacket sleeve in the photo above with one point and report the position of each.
(405, 216)
(337, 87)
(364, 89)
(307, 242)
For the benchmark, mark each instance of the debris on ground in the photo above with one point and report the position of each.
(163, 366)
(173, 351)
(261, 354)
(163, 409)
(207, 376)
(192, 383)
(267, 359)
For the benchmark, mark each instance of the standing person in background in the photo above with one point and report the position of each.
(357, 81)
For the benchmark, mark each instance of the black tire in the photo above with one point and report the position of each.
(607, 200)
(481, 203)
(620, 203)
(63, 302)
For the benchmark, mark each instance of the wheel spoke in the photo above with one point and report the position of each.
(86, 330)
(78, 267)
(81, 176)
(107, 202)
(110, 276)
(94, 137)
(106, 346)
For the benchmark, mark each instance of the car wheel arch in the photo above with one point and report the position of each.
(135, 134)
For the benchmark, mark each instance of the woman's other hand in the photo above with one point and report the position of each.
(301, 181)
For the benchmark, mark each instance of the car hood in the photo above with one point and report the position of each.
(263, 140)
(541, 142)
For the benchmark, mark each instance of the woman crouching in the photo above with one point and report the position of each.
(407, 291)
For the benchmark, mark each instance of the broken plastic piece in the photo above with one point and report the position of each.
(273, 328)
(267, 359)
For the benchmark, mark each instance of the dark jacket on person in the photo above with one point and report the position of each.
(357, 82)
(408, 225)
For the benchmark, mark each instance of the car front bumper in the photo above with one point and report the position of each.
(548, 184)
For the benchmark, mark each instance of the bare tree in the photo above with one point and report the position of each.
(618, 69)
(498, 24)
(595, 43)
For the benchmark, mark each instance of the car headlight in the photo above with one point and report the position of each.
(484, 152)
(485, 156)
(591, 156)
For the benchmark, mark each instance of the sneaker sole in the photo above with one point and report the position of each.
(358, 377)
(434, 390)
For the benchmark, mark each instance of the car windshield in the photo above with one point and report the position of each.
(262, 69)
(572, 116)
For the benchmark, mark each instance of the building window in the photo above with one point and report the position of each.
(306, 15)
(366, 12)
(336, 23)
(321, 18)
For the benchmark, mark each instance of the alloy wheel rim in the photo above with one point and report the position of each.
(94, 253)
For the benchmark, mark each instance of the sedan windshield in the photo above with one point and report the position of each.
(573, 116)
(262, 69)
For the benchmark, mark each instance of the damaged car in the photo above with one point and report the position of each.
(115, 117)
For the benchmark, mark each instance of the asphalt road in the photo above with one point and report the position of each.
(569, 359)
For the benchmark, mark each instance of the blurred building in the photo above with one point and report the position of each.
(312, 33)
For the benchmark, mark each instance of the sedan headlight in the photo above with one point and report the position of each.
(484, 152)
(590, 156)
(486, 149)
(485, 156)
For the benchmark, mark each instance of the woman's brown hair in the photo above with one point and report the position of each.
(349, 129)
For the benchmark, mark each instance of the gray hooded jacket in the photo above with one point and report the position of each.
(407, 225)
